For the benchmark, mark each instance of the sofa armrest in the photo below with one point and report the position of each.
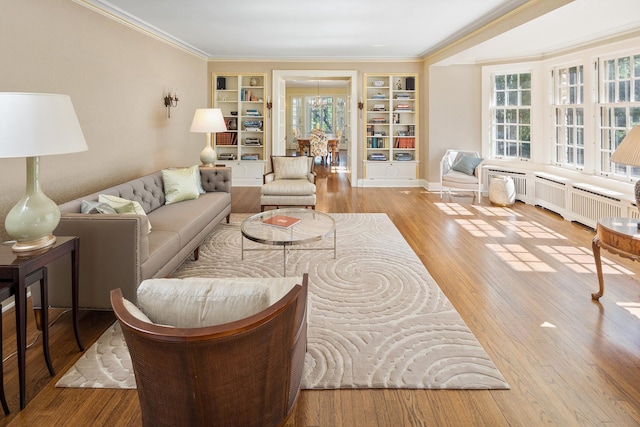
(216, 179)
(311, 176)
(112, 249)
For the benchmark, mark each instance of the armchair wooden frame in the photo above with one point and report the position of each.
(246, 372)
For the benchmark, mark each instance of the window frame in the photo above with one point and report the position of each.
(569, 117)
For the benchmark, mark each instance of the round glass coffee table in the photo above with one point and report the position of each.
(289, 227)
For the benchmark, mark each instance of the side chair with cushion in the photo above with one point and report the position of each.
(291, 182)
(461, 170)
(214, 351)
(319, 144)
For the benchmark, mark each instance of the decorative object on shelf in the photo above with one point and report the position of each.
(269, 105)
(628, 153)
(378, 83)
(208, 120)
(34, 125)
(253, 81)
(171, 100)
(318, 103)
(398, 84)
(221, 83)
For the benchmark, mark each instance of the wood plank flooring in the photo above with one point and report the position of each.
(521, 278)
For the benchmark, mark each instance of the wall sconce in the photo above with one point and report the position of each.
(171, 100)
(269, 105)
(360, 106)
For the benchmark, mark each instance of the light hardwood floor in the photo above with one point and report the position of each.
(521, 278)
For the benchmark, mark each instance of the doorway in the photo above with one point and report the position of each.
(279, 125)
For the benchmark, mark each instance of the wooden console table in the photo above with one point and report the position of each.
(619, 236)
(18, 273)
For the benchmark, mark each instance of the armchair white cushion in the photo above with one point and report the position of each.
(461, 170)
(202, 301)
(290, 183)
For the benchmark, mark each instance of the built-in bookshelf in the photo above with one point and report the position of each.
(391, 127)
(242, 99)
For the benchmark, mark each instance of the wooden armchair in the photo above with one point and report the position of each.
(243, 373)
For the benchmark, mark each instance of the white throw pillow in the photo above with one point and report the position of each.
(291, 167)
(123, 206)
(198, 301)
(180, 184)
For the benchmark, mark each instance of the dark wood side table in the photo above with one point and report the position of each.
(619, 236)
(20, 272)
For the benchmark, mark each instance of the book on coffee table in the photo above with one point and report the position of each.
(281, 221)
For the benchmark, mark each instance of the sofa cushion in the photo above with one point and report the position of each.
(180, 184)
(290, 167)
(123, 206)
(459, 178)
(199, 301)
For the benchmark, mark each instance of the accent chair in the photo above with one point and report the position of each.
(291, 182)
(214, 351)
(461, 170)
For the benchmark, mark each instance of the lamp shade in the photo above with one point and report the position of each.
(38, 124)
(628, 152)
(208, 120)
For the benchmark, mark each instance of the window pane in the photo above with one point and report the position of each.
(636, 66)
(570, 158)
(500, 148)
(513, 97)
(512, 149)
(611, 92)
(525, 81)
(572, 95)
(611, 69)
(500, 132)
(580, 156)
(511, 115)
(624, 91)
(624, 68)
(524, 117)
(636, 90)
(512, 132)
(580, 137)
(634, 115)
(499, 82)
(620, 117)
(569, 116)
(500, 99)
(526, 151)
(526, 97)
(580, 116)
(512, 81)
(525, 133)
(500, 116)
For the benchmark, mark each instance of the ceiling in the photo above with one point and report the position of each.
(365, 29)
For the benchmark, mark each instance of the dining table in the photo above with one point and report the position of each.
(332, 145)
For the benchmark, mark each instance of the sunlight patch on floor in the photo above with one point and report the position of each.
(531, 230)
(496, 211)
(547, 325)
(631, 307)
(520, 259)
(454, 209)
(581, 260)
(479, 228)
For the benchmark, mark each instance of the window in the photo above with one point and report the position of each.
(619, 107)
(511, 116)
(569, 117)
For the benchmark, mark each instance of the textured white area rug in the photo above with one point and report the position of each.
(377, 319)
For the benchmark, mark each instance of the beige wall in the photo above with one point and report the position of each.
(117, 78)
(454, 113)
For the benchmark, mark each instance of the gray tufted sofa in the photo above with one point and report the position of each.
(117, 251)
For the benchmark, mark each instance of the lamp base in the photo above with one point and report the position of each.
(208, 155)
(26, 248)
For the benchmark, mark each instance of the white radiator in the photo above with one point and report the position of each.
(551, 194)
(588, 207)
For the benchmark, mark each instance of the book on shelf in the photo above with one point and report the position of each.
(281, 221)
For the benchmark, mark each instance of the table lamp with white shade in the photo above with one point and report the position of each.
(208, 120)
(628, 153)
(34, 125)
